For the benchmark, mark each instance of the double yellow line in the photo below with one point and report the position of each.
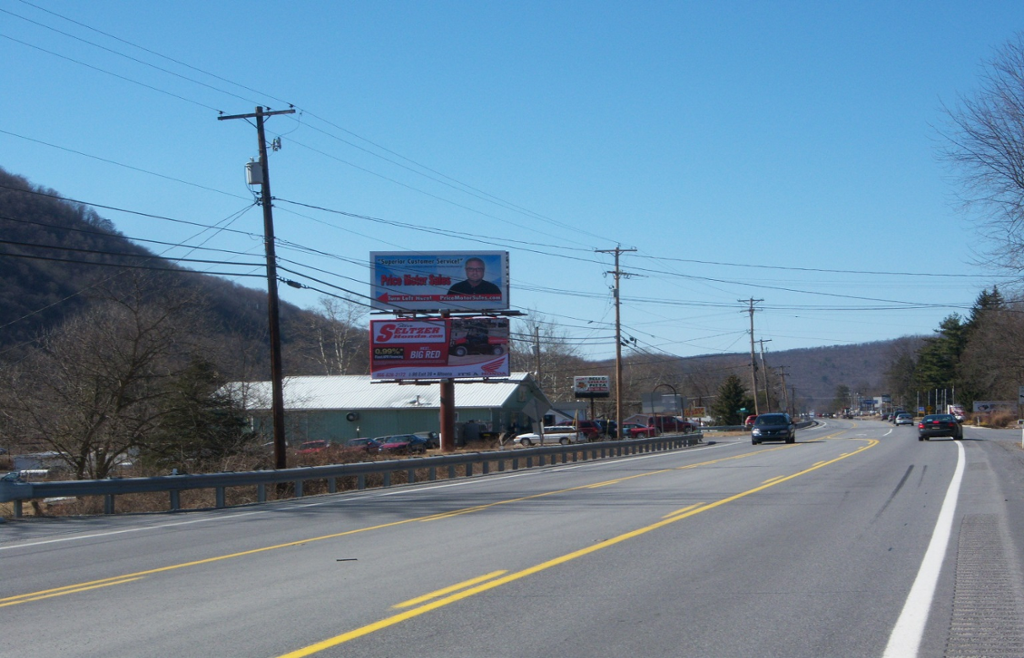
(466, 589)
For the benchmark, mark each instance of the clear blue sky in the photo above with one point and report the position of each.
(784, 151)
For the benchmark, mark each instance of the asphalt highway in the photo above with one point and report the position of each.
(857, 540)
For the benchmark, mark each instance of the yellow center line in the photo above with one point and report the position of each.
(671, 515)
(448, 590)
(61, 591)
(497, 582)
(70, 589)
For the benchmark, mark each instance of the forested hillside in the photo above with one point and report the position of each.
(57, 259)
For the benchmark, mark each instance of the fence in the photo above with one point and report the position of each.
(14, 489)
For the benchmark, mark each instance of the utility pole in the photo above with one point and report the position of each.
(618, 337)
(536, 353)
(276, 377)
(764, 375)
(753, 361)
(785, 391)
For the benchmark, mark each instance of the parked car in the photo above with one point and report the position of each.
(367, 444)
(671, 424)
(313, 447)
(401, 444)
(607, 426)
(939, 425)
(432, 439)
(635, 430)
(773, 427)
(563, 434)
(904, 419)
(589, 428)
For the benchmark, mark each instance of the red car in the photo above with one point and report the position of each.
(589, 429)
(313, 447)
(634, 431)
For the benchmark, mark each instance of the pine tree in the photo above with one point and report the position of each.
(732, 397)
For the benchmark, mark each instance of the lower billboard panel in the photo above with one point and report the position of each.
(439, 348)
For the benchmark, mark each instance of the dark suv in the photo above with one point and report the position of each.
(773, 427)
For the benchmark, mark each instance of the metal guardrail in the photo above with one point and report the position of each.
(14, 489)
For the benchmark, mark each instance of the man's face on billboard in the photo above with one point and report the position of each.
(475, 270)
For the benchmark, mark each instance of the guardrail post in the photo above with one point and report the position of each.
(361, 481)
(261, 493)
(410, 476)
(332, 485)
(17, 509)
(220, 498)
(298, 488)
(108, 504)
(451, 472)
(175, 500)
(387, 479)
(469, 469)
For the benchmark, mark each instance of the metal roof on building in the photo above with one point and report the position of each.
(360, 392)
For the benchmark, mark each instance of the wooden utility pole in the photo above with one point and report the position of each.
(764, 375)
(785, 391)
(276, 376)
(753, 361)
(618, 337)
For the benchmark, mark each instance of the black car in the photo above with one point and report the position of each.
(939, 425)
(773, 427)
(369, 445)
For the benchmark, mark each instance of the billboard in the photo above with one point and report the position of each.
(595, 386)
(439, 348)
(439, 281)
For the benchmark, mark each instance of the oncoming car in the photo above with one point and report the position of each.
(773, 427)
(939, 425)
(563, 434)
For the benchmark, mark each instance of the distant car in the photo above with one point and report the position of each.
(607, 426)
(563, 434)
(432, 439)
(904, 419)
(773, 427)
(313, 447)
(635, 430)
(589, 428)
(749, 422)
(367, 444)
(934, 425)
(401, 444)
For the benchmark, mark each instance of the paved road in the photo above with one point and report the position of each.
(812, 549)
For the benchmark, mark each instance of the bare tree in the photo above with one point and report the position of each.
(94, 389)
(986, 146)
(339, 335)
(558, 359)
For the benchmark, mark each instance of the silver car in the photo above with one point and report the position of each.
(563, 434)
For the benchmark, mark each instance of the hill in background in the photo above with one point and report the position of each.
(55, 255)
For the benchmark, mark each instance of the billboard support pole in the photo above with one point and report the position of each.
(447, 415)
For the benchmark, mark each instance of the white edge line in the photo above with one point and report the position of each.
(906, 636)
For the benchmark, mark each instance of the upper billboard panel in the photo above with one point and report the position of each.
(404, 281)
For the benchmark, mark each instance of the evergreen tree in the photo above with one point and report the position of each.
(732, 397)
(201, 426)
